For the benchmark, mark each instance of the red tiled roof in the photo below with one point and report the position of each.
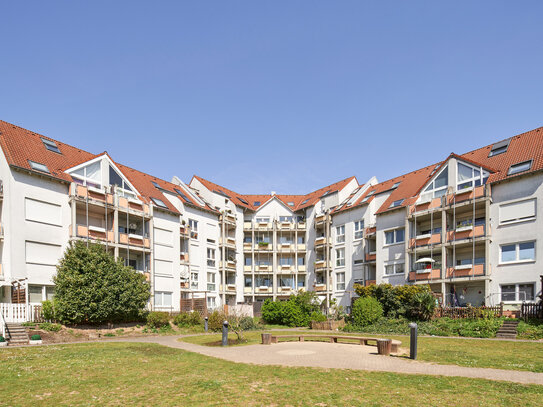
(20, 145)
(300, 201)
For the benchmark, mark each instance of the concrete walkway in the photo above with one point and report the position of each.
(337, 356)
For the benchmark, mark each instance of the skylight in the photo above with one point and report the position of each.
(243, 200)
(182, 195)
(326, 193)
(499, 148)
(155, 184)
(220, 192)
(520, 167)
(396, 184)
(368, 196)
(304, 202)
(290, 203)
(158, 202)
(396, 203)
(51, 145)
(256, 203)
(38, 166)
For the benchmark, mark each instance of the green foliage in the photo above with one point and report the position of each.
(48, 310)
(186, 319)
(215, 321)
(421, 306)
(29, 324)
(48, 326)
(157, 319)
(366, 311)
(248, 324)
(317, 316)
(298, 310)
(91, 287)
(2, 339)
(35, 337)
(532, 329)
(109, 334)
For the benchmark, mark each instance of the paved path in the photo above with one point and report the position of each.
(337, 356)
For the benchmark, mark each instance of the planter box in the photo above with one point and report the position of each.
(35, 342)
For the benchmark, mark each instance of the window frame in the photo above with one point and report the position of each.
(340, 283)
(159, 202)
(394, 266)
(517, 253)
(340, 234)
(36, 167)
(51, 145)
(511, 171)
(358, 228)
(395, 234)
(340, 261)
(517, 292)
(517, 220)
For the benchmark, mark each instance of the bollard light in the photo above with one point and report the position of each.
(205, 322)
(413, 340)
(225, 333)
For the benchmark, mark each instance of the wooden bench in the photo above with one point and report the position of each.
(362, 340)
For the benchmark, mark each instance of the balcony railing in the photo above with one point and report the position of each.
(425, 240)
(184, 231)
(371, 256)
(466, 194)
(370, 231)
(93, 232)
(134, 240)
(466, 270)
(425, 274)
(466, 232)
(428, 206)
(94, 195)
(184, 257)
(132, 205)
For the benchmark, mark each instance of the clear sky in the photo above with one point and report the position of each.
(279, 95)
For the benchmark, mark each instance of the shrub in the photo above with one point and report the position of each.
(92, 287)
(291, 315)
(109, 334)
(35, 337)
(48, 326)
(48, 310)
(215, 321)
(186, 319)
(421, 306)
(296, 311)
(366, 311)
(532, 329)
(2, 339)
(317, 316)
(271, 311)
(248, 324)
(157, 319)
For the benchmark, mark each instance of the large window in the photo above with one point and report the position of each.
(340, 281)
(438, 187)
(517, 292)
(469, 177)
(122, 186)
(210, 281)
(340, 234)
(340, 257)
(91, 175)
(358, 229)
(163, 299)
(517, 211)
(394, 236)
(211, 257)
(395, 268)
(517, 252)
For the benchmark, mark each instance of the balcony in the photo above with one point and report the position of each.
(228, 264)
(320, 220)
(425, 207)
(425, 240)
(263, 226)
(247, 246)
(134, 240)
(286, 267)
(465, 270)
(247, 268)
(247, 226)
(263, 290)
(301, 226)
(229, 218)
(94, 195)
(321, 241)
(322, 287)
(301, 247)
(93, 232)
(465, 195)
(425, 274)
(247, 290)
(229, 242)
(184, 231)
(184, 258)
(367, 283)
(286, 247)
(286, 290)
(132, 205)
(286, 225)
(263, 246)
(228, 288)
(185, 285)
(263, 267)
(370, 232)
(301, 268)
(371, 256)
(321, 264)
(466, 232)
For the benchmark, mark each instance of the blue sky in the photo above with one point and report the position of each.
(286, 95)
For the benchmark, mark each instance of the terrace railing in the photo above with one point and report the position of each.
(469, 312)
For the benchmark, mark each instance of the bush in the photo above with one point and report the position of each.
(92, 287)
(248, 324)
(532, 329)
(366, 311)
(48, 326)
(2, 339)
(421, 306)
(158, 319)
(35, 337)
(186, 319)
(296, 311)
(271, 311)
(215, 321)
(317, 316)
(48, 310)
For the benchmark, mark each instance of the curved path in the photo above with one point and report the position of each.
(336, 356)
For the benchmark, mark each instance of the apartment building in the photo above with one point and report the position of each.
(467, 225)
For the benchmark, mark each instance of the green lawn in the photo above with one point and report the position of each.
(148, 374)
(463, 352)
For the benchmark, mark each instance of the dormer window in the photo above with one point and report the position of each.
(90, 175)
(438, 187)
(305, 201)
(470, 177)
(50, 145)
(396, 203)
(368, 196)
(243, 201)
(182, 195)
(499, 148)
(256, 203)
(38, 166)
(122, 186)
(520, 167)
(159, 202)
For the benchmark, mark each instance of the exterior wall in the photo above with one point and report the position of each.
(530, 186)
(394, 253)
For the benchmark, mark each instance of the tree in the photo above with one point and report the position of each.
(92, 287)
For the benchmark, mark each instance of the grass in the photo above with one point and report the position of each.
(148, 374)
(508, 355)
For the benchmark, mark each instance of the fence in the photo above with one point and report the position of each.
(469, 312)
(17, 313)
(529, 311)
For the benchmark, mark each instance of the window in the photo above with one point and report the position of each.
(155, 184)
(122, 185)
(326, 193)
(211, 257)
(211, 302)
(247, 239)
(305, 201)
(256, 203)
(290, 203)
(159, 202)
(340, 257)
(163, 299)
(520, 167)
(358, 261)
(438, 187)
(301, 261)
(182, 195)
(340, 234)
(517, 252)
(517, 292)
(91, 175)
(210, 281)
(243, 200)
(396, 203)
(35, 294)
(396, 268)
(286, 219)
(340, 281)
(193, 225)
(517, 211)
(51, 145)
(396, 184)
(286, 261)
(368, 196)
(38, 166)
(358, 229)
(248, 282)
(469, 177)
(285, 239)
(264, 219)
(394, 236)
(300, 218)
(301, 239)
(248, 261)
(194, 280)
(499, 148)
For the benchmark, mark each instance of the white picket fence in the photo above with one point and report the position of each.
(17, 313)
